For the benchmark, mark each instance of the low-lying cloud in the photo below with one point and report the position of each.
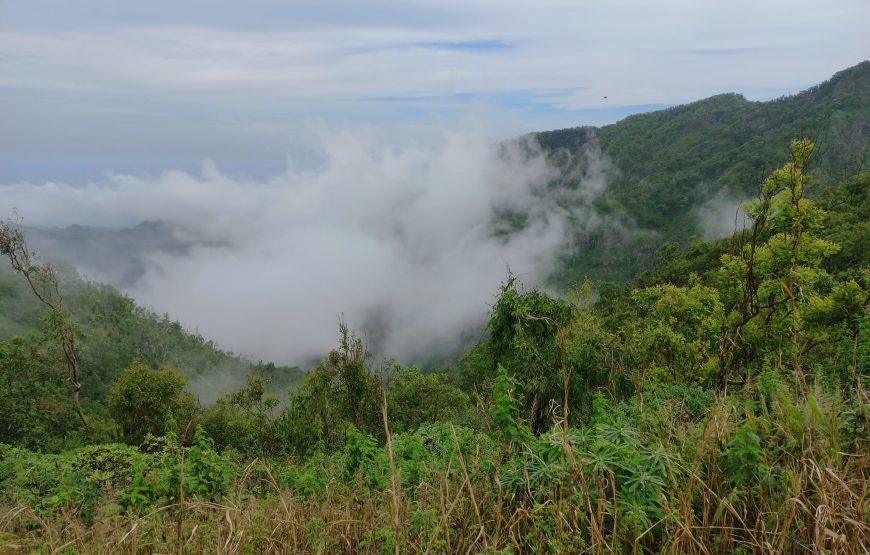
(400, 241)
(721, 216)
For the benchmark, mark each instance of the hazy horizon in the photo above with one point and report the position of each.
(118, 86)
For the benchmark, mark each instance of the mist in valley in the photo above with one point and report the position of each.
(407, 244)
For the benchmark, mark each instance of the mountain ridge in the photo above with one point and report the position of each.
(672, 161)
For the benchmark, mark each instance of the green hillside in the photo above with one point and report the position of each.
(671, 162)
(114, 332)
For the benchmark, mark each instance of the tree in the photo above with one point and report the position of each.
(415, 398)
(526, 337)
(146, 401)
(36, 410)
(341, 390)
(770, 281)
(43, 282)
(356, 385)
(556, 350)
(242, 419)
(678, 331)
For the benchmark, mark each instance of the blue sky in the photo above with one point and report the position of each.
(99, 85)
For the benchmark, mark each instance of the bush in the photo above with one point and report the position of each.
(415, 398)
(146, 401)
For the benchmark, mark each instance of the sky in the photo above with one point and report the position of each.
(93, 86)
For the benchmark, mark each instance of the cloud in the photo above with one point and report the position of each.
(400, 240)
(722, 51)
(721, 216)
(480, 45)
(608, 49)
(162, 80)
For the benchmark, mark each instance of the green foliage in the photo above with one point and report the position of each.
(672, 162)
(243, 419)
(36, 410)
(145, 401)
(526, 338)
(744, 457)
(207, 475)
(714, 405)
(847, 224)
(308, 479)
(677, 333)
(504, 411)
(341, 390)
(556, 351)
(769, 285)
(43, 283)
(610, 455)
(359, 450)
(115, 332)
(79, 481)
(415, 398)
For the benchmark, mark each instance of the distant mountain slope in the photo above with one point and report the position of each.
(115, 331)
(672, 162)
(116, 256)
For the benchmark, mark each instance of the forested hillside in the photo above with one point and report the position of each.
(718, 403)
(670, 164)
(112, 333)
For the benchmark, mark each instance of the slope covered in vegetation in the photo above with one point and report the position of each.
(717, 404)
(114, 332)
(670, 164)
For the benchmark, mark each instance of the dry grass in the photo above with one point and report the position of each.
(828, 514)
(822, 506)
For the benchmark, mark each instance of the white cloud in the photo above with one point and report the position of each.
(187, 80)
(397, 239)
(722, 216)
(634, 52)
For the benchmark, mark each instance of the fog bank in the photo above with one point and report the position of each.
(400, 240)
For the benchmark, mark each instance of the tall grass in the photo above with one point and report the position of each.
(764, 471)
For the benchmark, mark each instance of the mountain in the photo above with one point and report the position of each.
(676, 168)
(115, 332)
(116, 256)
(670, 175)
(688, 409)
(725, 372)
